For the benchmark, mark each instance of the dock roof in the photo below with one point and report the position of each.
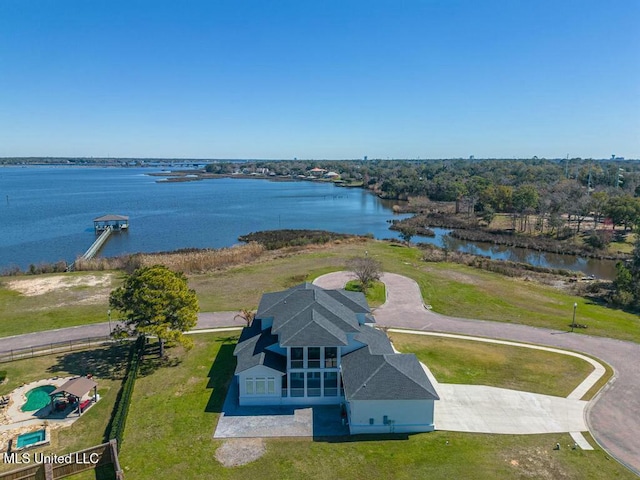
(111, 218)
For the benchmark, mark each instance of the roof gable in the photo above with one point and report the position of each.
(315, 331)
(307, 315)
(389, 376)
(251, 349)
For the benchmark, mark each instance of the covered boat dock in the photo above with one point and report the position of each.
(114, 222)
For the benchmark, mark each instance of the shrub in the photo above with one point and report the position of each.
(115, 429)
(3, 375)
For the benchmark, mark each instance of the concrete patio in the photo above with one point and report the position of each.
(277, 421)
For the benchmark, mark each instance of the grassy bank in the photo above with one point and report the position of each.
(451, 289)
(175, 410)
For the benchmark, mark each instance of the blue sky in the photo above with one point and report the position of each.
(320, 79)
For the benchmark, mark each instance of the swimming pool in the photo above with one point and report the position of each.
(31, 439)
(37, 398)
(27, 439)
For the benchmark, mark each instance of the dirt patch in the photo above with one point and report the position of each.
(240, 451)
(42, 285)
(537, 463)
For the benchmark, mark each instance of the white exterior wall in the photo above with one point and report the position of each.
(403, 416)
(254, 373)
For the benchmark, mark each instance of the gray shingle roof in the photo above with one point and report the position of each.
(376, 340)
(251, 349)
(307, 315)
(375, 373)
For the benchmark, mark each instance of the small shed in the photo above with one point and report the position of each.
(73, 391)
(116, 222)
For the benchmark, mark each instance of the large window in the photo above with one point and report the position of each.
(313, 384)
(330, 384)
(260, 386)
(313, 360)
(330, 357)
(297, 357)
(297, 384)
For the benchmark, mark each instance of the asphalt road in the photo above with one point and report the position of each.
(613, 415)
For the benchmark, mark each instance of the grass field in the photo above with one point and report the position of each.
(44, 302)
(106, 364)
(175, 409)
(453, 360)
(451, 289)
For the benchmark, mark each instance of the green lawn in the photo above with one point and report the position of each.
(105, 363)
(77, 300)
(376, 294)
(453, 360)
(451, 289)
(175, 409)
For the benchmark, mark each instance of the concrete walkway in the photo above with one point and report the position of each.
(611, 415)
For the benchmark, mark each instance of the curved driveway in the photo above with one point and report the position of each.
(613, 416)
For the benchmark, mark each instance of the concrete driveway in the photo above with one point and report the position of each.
(481, 409)
(611, 416)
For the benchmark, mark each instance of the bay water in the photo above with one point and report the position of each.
(47, 212)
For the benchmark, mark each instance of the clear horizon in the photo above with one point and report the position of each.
(320, 80)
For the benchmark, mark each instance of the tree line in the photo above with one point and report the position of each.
(561, 194)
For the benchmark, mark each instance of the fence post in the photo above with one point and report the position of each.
(48, 471)
(113, 447)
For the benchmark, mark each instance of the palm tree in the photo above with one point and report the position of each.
(247, 315)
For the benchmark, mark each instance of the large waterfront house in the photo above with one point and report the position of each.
(310, 346)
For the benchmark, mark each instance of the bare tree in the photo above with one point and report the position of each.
(366, 270)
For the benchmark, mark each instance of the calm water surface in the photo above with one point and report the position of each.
(46, 213)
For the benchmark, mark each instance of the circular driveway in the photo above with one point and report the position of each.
(613, 415)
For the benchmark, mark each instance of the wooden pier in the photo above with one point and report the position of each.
(97, 245)
(104, 226)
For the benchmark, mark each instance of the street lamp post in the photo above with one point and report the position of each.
(573, 323)
(109, 315)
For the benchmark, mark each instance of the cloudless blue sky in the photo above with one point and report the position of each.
(320, 79)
